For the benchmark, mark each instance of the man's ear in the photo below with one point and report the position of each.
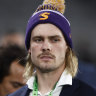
(66, 46)
(29, 51)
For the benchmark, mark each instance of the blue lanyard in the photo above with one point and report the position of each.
(35, 88)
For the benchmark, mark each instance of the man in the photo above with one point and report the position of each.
(12, 37)
(12, 64)
(52, 64)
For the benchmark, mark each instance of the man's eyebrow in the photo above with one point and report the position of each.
(15, 82)
(37, 37)
(55, 36)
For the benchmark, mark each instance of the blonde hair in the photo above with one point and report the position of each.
(29, 69)
(71, 63)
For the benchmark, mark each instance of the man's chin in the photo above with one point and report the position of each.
(45, 69)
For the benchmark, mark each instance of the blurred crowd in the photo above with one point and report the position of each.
(12, 62)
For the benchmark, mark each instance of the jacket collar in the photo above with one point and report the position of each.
(68, 90)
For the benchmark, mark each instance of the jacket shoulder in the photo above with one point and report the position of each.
(78, 88)
(20, 92)
(86, 89)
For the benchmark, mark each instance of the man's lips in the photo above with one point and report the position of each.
(46, 57)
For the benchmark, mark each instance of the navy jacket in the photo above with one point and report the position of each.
(78, 88)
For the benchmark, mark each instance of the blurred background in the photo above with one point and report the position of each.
(14, 15)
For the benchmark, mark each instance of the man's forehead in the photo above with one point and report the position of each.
(46, 30)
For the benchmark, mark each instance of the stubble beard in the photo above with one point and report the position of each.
(45, 69)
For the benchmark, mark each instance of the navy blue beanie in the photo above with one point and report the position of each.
(49, 16)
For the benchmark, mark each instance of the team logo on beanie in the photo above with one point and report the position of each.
(44, 16)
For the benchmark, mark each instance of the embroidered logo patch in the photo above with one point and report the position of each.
(44, 16)
(70, 35)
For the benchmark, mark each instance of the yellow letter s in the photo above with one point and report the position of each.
(44, 16)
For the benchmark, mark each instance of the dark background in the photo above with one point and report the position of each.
(14, 15)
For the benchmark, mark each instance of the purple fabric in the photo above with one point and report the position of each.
(55, 18)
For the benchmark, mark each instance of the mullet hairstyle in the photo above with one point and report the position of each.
(71, 62)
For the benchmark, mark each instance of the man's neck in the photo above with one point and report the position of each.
(47, 81)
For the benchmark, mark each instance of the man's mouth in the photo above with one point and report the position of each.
(46, 57)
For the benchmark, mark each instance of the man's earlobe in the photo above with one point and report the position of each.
(66, 46)
(29, 51)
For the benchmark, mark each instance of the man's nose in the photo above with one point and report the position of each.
(46, 46)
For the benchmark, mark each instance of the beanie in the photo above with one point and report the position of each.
(48, 14)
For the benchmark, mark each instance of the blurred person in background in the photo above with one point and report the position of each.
(12, 64)
(13, 37)
(87, 68)
(87, 73)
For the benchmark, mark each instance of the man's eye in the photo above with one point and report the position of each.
(15, 85)
(38, 40)
(55, 40)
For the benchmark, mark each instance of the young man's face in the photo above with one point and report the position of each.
(47, 47)
(13, 81)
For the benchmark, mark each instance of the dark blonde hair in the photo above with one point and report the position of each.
(71, 62)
